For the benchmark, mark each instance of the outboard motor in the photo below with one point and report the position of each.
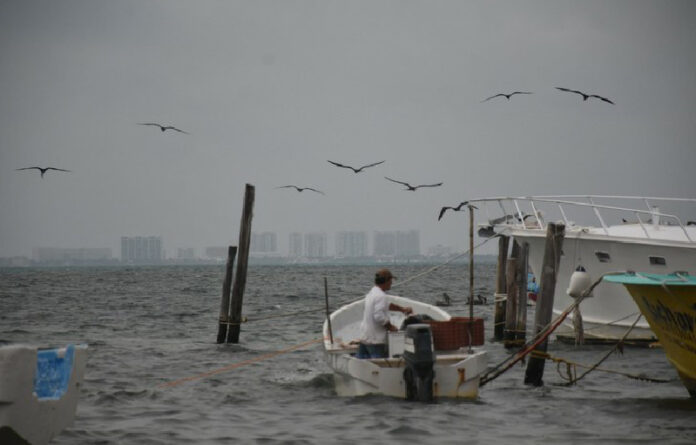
(419, 357)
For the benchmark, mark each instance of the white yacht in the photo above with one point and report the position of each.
(602, 234)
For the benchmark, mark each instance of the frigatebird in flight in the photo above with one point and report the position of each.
(43, 170)
(585, 96)
(356, 170)
(507, 96)
(163, 127)
(456, 209)
(299, 189)
(412, 188)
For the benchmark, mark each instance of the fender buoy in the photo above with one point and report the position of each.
(579, 282)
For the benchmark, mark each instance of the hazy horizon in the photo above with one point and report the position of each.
(270, 91)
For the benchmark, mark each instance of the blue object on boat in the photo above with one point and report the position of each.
(532, 285)
(53, 369)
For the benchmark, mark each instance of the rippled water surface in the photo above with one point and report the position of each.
(148, 326)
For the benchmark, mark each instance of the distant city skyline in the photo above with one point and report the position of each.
(346, 244)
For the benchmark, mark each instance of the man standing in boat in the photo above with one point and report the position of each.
(375, 323)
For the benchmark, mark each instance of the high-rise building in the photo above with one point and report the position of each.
(295, 245)
(408, 243)
(351, 244)
(397, 243)
(141, 249)
(384, 244)
(315, 245)
(266, 242)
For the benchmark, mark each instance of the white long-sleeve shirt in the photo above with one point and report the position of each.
(375, 316)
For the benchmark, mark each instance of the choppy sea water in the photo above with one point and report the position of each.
(147, 326)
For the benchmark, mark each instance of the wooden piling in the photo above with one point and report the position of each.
(522, 267)
(544, 307)
(225, 304)
(512, 291)
(240, 276)
(471, 276)
(328, 313)
(500, 288)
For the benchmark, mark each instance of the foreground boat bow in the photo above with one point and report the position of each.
(39, 390)
(668, 302)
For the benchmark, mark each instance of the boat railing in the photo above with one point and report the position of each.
(515, 210)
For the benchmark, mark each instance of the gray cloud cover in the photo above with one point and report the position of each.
(270, 90)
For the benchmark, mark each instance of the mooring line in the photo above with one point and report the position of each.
(237, 365)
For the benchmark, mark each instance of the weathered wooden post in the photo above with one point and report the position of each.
(522, 267)
(471, 277)
(225, 304)
(512, 291)
(500, 288)
(328, 313)
(240, 276)
(544, 306)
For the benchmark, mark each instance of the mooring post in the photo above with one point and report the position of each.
(225, 304)
(471, 277)
(328, 313)
(500, 288)
(544, 307)
(240, 276)
(512, 298)
(522, 267)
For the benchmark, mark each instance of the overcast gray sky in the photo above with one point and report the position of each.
(270, 90)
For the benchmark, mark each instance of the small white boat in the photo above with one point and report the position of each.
(455, 373)
(39, 390)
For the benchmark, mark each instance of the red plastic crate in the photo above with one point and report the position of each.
(454, 333)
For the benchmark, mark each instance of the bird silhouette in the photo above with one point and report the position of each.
(43, 170)
(299, 189)
(356, 170)
(456, 209)
(507, 96)
(163, 127)
(585, 96)
(412, 188)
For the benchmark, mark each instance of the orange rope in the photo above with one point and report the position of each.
(237, 365)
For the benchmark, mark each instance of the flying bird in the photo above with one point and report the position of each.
(585, 96)
(163, 127)
(507, 96)
(412, 188)
(299, 189)
(456, 209)
(43, 170)
(356, 170)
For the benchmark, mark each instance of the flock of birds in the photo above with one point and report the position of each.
(585, 96)
(408, 186)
